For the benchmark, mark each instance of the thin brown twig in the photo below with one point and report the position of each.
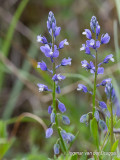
(23, 115)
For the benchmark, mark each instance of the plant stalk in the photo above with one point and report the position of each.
(111, 130)
(95, 82)
(54, 102)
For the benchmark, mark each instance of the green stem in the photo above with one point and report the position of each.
(95, 81)
(94, 94)
(111, 131)
(54, 103)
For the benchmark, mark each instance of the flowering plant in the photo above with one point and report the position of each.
(51, 50)
(109, 113)
(104, 115)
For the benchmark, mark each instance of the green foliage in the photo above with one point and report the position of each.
(8, 39)
(114, 147)
(74, 157)
(94, 131)
(67, 157)
(83, 157)
(116, 158)
(5, 144)
(58, 2)
(117, 125)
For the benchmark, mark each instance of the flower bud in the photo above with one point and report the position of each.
(52, 117)
(102, 125)
(84, 118)
(49, 132)
(96, 114)
(56, 148)
(66, 120)
(109, 90)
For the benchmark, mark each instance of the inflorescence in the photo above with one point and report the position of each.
(51, 50)
(96, 69)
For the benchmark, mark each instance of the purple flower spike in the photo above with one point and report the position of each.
(49, 132)
(51, 22)
(56, 148)
(51, 25)
(41, 39)
(96, 114)
(50, 110)
(100, 70)
(66, 120)
(83, 88)
(88, 33)
(66, 61)
(42, 65)
(61, 107)
(62, 43)
(105, 38)
(52, 117)
(43, 87)
(93, 23)
(102, 125)
(102, 105)
(58, 77)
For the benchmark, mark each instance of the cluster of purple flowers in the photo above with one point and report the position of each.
(52, 51)
(96, 69)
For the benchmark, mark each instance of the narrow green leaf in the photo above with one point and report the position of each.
(94, 131)
(116, 158)
(117, 124)
(7, 41)
(4, 143)
(115, 145)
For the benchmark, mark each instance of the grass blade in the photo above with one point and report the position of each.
(7, 41)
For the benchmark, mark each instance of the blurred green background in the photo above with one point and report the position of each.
(20, 22)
